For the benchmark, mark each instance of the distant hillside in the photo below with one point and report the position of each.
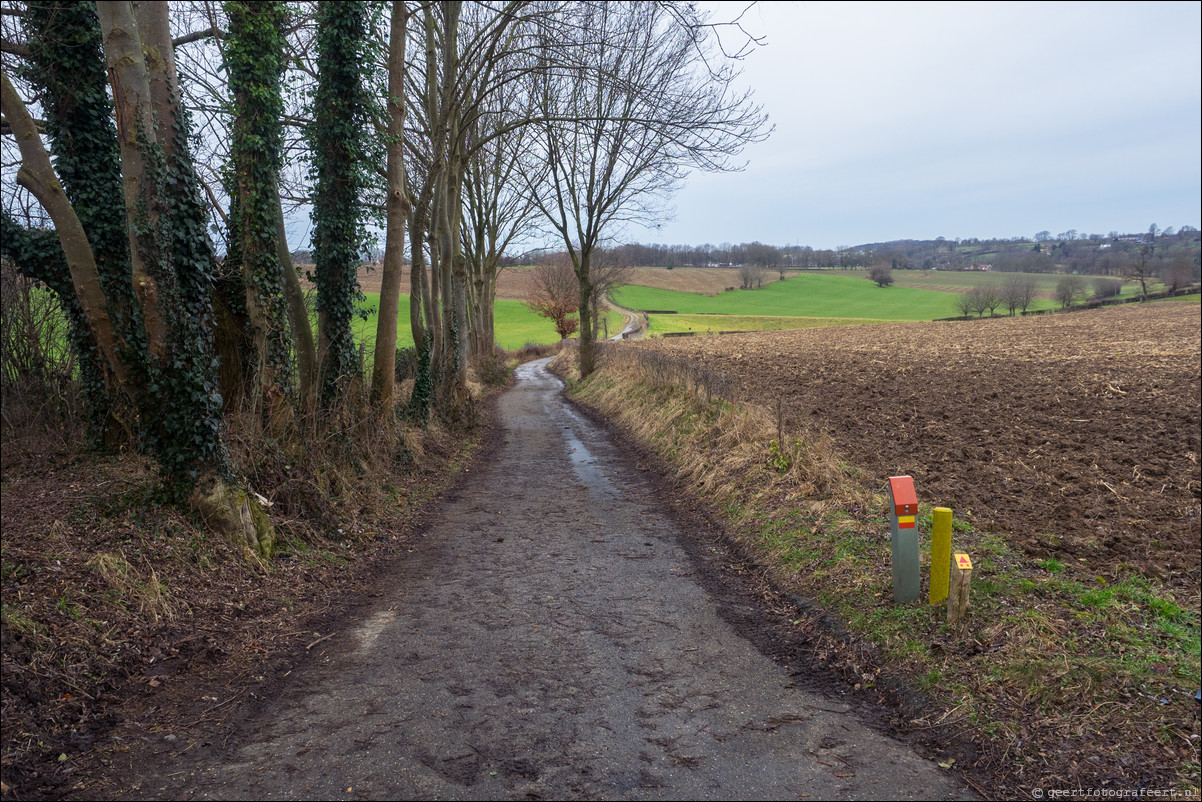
(1099, 254)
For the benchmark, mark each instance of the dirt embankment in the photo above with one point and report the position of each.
(121, 611)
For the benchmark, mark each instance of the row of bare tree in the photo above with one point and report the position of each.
(574, 116)
(459, 126)
(1015, 294)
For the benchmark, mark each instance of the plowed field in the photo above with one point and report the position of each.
(1073, 435)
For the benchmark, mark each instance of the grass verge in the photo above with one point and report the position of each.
(1062, 679)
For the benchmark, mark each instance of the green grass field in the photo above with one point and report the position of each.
(806, 295)
(514, 324)
(1181, 299)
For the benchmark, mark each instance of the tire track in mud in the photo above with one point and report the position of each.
(548, 638)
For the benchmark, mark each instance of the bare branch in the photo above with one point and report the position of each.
(14, 49)
(208, 33)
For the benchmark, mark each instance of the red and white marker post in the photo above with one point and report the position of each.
(903, 519)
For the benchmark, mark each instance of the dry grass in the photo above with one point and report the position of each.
(145, 594)
(730, 442)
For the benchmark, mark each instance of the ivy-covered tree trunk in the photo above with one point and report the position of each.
(422, 311)
(254, 56)
(172, 265)
(339, 116)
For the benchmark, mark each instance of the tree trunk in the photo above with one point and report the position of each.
(155, 33)
(298, 314)
(37, 175)
(418, 287)
(488, 325)
(135, 119)
(383, 377)
(587, 361)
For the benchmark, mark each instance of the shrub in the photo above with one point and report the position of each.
(38, 369)
(406, 363)
(1107, 287)
(492, 368)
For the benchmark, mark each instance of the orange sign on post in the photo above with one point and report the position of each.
(905, 502)
(957, 597)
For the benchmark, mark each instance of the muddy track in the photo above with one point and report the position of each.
(548, 637)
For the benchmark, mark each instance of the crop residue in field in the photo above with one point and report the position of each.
(1073, 435)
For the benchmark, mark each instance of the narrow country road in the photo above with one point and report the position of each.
(548, 639)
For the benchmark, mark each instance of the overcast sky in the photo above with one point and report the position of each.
(919, 120)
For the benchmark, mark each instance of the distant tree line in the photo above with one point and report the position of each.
(769, 257)
(1171, 255)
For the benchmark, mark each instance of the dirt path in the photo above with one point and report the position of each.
(632, 328)
(549, 637)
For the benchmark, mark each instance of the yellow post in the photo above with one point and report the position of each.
(941, 553)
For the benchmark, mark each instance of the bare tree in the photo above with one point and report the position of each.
(991, 298)
(1018, 292)
(882, 274)
(1069, 289)
(630, 97)
(553, 295)
(965, 303)
(1106, 287)
(980, 300)
(751, 275)
(497, 209)
(1141, 269)
(467, 53)
(1180, 272)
